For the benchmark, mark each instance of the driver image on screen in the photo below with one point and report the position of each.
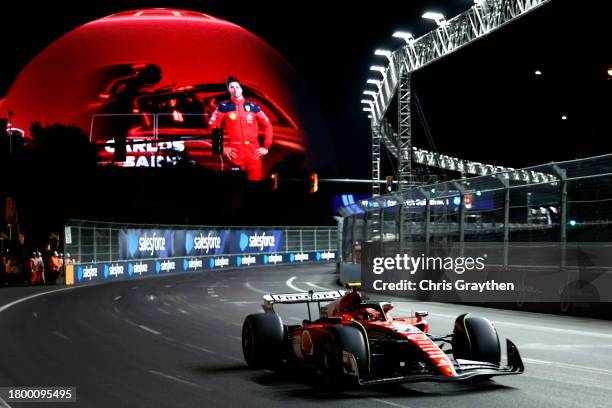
(241, 119)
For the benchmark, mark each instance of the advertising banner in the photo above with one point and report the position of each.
(256, 241)
(145, 243)
(108, 271)
(152, 243)
(201, 242)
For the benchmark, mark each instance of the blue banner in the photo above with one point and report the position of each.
(152, 244)
(207, 242)
(132, 269)
(146, 243)
(256, 241)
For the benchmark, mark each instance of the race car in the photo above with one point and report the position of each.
(357, 341)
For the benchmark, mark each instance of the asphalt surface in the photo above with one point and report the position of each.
(174, 341)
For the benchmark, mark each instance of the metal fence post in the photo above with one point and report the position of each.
(365, 227)
(95, 244)
(506, 183)
(79, 255)
(461, 218)
(353, 224)
(563, 198)
(110, 245)
(286, 240)
(426, 226)
(381, 228)
(399, 219)
(562, 174)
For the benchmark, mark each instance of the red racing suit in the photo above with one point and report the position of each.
(241, 119)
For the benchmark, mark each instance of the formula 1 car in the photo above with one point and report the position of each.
(355, 341)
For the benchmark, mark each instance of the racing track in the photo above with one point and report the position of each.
(174, 341)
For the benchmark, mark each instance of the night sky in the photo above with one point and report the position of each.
(483, 103)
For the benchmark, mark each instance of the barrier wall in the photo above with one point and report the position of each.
(106, 252)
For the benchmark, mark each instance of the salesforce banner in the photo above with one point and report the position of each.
(256, 241)
(201, 243)
(153, 244)
(109, 271)
(146, 243)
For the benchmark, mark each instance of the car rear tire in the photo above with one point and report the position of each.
(263, 340)
(475, 338)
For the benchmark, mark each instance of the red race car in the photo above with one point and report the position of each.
(355, 341)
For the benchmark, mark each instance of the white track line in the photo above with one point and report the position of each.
(538, 327)
(60, 335)
(145, 328)
(16, 302)
(393, 404)
(170, 377)
(250, 287)
(205, 350)
(569, 347)
(581, 333)
(292, 286)
(312, 285)
(594, 370)
(4, 404)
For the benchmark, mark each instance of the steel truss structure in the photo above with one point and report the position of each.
(483, 18)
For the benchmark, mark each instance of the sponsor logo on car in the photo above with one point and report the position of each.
(307, 345)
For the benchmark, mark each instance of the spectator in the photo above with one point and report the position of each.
(40, 267)
(33, 270)
(54, 267)
(69, 260)
(3, 269)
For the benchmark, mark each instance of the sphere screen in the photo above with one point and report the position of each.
(156, 77)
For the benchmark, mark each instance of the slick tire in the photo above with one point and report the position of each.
(263, 340)
(475, 338)
(338, 339)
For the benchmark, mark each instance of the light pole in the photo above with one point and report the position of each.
(383, 72)
(437, 17)
(404, 35)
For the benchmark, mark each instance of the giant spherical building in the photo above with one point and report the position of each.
(159, 73)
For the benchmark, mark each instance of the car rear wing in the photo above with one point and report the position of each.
(301, 297)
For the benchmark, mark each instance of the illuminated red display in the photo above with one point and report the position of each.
(158, 73)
